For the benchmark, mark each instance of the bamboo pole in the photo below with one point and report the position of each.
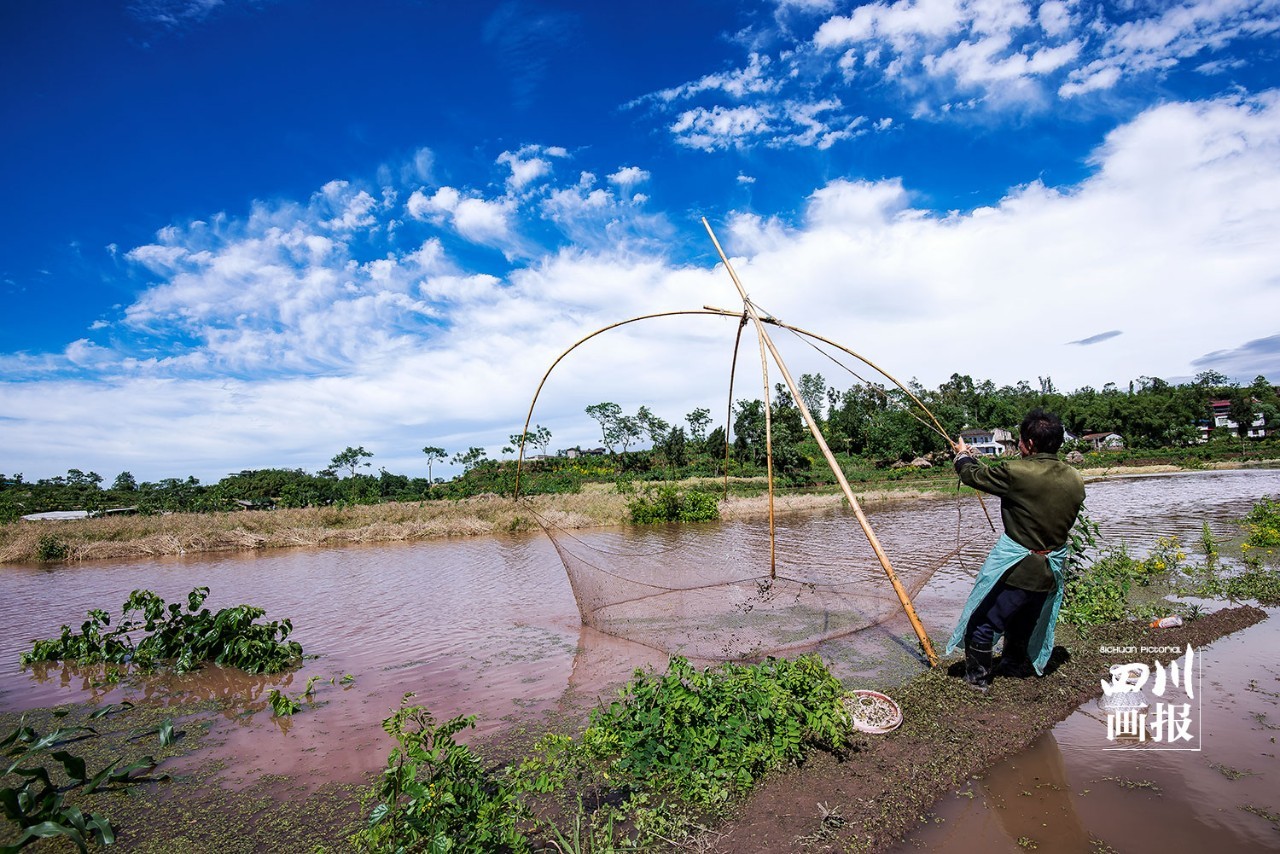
(728, 416)
(903, 598)
(768, 451)
(528, 418)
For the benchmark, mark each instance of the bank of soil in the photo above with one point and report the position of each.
(885, 785)
(597, 505)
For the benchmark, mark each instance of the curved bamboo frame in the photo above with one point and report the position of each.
(768, 348)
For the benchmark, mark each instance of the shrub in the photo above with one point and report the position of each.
(667, 504)
(51, 548)
(435, 794)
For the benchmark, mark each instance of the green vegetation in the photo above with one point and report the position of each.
(47, 771)
(435, 794)
(672, 747)
(1114, 585)
(667, 504)
(184, 640)
(870, 427)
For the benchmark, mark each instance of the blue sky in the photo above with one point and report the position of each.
(249, 234)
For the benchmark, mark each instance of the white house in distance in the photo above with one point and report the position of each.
(1104, 441)
(1221, 410)
(995, 442)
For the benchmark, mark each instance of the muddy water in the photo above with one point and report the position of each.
(1069, 793)
(489, 625)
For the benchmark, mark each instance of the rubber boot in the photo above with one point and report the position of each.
(1014, 661)
(977, 663)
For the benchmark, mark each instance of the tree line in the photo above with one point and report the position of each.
(868, 425)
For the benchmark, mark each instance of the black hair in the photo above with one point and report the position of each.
(1042, 430)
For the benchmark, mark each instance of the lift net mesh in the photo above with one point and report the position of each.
(711, 596)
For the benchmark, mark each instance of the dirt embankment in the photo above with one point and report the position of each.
(883, 788)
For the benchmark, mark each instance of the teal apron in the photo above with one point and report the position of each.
(1003, 556)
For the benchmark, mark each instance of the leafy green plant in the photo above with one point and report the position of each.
(282, 705)
(230, 637)
(667, 504)
(38, 806)
(50, 548)
(1100, 593)
(1262, 524)
(706, 735)
(435, 794)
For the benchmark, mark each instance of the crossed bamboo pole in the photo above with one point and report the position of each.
(767, 347)
(767, 342)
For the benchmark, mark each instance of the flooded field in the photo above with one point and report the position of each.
(489, 626)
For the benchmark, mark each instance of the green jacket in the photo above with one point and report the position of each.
(1040, 497)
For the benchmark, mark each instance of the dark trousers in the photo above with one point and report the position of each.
(1008, 611)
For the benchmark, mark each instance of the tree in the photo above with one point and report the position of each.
(813, 391)
(673, 447)
(472, 458)
(699, 420)
(1243, 411)
(539, 437)
(652, 425)
(351, 459)
(627, 431)
(434, 455)
(749, 432)
(124, 482)
(607, 414)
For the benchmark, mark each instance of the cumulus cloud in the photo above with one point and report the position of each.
(303, 325)
(948, 60)
(629, 176)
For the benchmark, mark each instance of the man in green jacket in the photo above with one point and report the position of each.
(1019, 589)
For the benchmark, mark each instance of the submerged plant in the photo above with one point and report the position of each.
(231, 637)
(282, 705)
(37, 803)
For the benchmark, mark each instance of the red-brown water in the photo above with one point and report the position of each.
(488, 626)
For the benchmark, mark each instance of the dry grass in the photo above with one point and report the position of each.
(186, 533)
(598, 505)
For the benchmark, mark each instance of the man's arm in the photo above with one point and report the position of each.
(992, 479)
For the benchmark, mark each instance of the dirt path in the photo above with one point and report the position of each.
(880, 790)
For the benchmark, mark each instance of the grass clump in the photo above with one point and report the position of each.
(671, 748)
(231, 637)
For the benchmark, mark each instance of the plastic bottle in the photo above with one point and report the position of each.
(1166, 622)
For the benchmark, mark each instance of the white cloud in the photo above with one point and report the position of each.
(629, 176)
(483, 221)
(752, 80)
(721, 127)
(950, 59)
(529, 164)
(273, 339)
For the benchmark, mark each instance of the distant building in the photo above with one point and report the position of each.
(995, 442)
(1104, 441)
(572, 453)
(1220, 411)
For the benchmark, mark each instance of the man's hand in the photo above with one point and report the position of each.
(963, 450)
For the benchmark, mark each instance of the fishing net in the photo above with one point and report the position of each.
(709, 595)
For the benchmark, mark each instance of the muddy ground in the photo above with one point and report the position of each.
(885, 786)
